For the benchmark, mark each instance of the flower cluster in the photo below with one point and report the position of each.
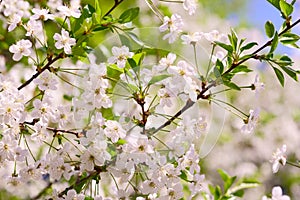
(119, 122)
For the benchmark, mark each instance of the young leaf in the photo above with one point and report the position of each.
(291, 72)
(285, 8)
(274, 43)
(248, 46)
(241, 68)
(289, 39)
(231, 85)
(233, 39)
(129, 15)
(219, 67)
(270, 29)
(275, 3)
(279, 75)
(225, 46)
(158, 78)
(97, 8)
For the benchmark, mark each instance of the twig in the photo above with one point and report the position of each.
(117, 2)
(268, 43)
(46, 67)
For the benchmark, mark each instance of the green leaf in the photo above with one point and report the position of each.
(129, 15)
(225, 46)
(218, 70)
(285, 8)
(248, 46)
(231, 85)
(138, 58)
(270, 29)
(284, 61)
(113, 71)
(279, 75)
(275, 3)
(274, 43)
(238, 190)
(97, 8)
(291, 72)
(125, 40)
(183, 175)
(158, 78)
(233, 39)
(228, 180)
(241, 68)
(289, 39)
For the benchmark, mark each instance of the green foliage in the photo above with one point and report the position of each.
(279, 75)
(129, 15)
(270, 29)
(158, 78)
(284, 7)
(274, 43)
(231, 188)
(289, 39)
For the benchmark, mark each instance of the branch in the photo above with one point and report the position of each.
(188, 104)
(268, 43)
(78, 135)
(117, 2)
(47, 66)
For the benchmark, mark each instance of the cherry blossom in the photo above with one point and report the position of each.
(251, 122)
(73, 10)
(14, 21)
(42, 14)
(174, 25)
(120, 55)
(192, 38)
(190, 6)
(277, 194)
(64, 41)
(114, 131)
(20, 49)
(46, 81)
(279, 157)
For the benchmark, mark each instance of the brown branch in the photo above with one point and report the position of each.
(188, 104)
(117, 2)
(46, 67)
(268, 43)
(78, 135)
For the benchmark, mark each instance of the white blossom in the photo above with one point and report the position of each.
(120, 55)
(64, 41)
(279, 157)
(174, 25)
(190, 6)
(20, 49)
(251, 122)
(277, 194)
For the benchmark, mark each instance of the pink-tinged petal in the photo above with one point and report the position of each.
(13, 48)
(59, 45)
(67, 49)
(72, 41)
(56, 36)
(64, 33)
(17, 56)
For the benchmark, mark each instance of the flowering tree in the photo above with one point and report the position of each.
(95, 104)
